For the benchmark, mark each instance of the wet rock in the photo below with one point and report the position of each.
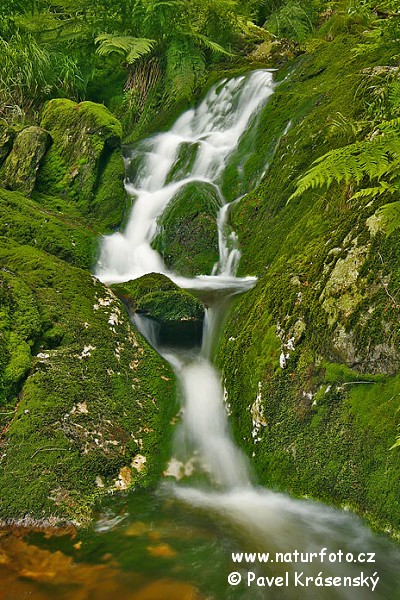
(178, 315)
(188, 235)
(22, 164)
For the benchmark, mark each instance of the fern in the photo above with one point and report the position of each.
(184, 67)
(291, 21)
(377, 158)
(129, 47)
(341, 127)
(207, 43)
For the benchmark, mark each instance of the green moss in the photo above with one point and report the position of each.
(91, 398)
(131, 291)
(170, 306)
(323, 317)
(84, 163)
(27, 222)
(110, 203)
(188, 236)
(21, 165)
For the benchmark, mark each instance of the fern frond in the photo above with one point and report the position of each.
(372, 192)
(291, 21)
(342, 127)
(210, 44)
(185, 65)
(389, 215)
(125, 45)
(396, 444)
(376, 158)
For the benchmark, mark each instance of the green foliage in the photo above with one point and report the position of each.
(181, 35)
(347, 16)
(292, 21)
(377, 159)
(127, 46)
(389, 217)
(30, 73)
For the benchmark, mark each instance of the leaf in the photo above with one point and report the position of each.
(377, 158)
(208, 43)
(130, 47)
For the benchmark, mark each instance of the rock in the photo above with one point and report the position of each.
(188, 235)
(178, 315)
(342, 294)
(6, 140)
(171, 306)
(85, 414)
(131, 291)
(21, 166)
(85, 163)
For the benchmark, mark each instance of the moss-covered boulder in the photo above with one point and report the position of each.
(21, 166)
(179, 315)
(63, 235)
(188, 235)
(85, 162)
(171, 306)
(310, 356)
(6, 140)
(131, 291)
(85, 403)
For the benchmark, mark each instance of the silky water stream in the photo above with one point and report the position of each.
(177, 542)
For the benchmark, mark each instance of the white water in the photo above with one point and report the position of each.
(213, 131)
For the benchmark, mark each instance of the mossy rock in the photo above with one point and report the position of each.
(131, 291)
(171, 306)
(188, 234)
(21, 166)
(310, 355)
(6, 140)
(63, 235)
(85, 163)
(159, 298)
(85, 402)
(178, 315)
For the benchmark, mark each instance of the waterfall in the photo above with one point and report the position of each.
(210, 133)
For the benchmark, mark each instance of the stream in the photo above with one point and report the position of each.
(178, 542)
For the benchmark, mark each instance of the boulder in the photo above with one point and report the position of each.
(86, 403)
(188, 234)
(21, 166)
(178, 316)
(85, 162)
(6, 140)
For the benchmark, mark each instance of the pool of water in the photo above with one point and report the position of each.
(155, 545)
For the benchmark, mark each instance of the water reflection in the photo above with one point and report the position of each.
(150, 546)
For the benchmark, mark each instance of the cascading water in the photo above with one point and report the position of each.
(212, 131)
(209, 134)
